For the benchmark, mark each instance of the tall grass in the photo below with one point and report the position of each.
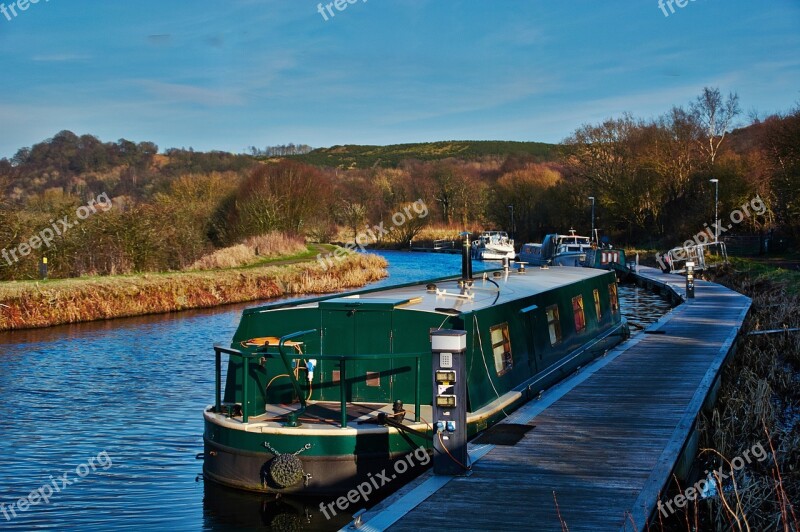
(30, 305)
(430, 234)
(252, 250)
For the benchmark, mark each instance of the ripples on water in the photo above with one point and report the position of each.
(136, 388)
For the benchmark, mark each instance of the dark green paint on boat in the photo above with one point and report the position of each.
(396, 322)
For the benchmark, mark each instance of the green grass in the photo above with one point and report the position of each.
(760, 271)
(356, 156)
(309, 254)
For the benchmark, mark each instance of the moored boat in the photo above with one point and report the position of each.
(608, 258)
(557, 250)
(321, 394)
(493, 245)
(605, 258)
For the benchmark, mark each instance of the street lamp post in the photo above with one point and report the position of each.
(716, 203)
(591, 235)
(513, 225)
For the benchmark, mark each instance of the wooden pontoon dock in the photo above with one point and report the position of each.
(604, 442)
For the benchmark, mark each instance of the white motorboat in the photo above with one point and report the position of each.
(493, 245)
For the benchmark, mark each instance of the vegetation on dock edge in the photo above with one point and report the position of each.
(758, 403)
(28, 305)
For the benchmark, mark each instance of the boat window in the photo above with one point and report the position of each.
(553, 324)
(577, 310)
(612, 295)
(598, 311)
(610, 256)
(373, 378)
(501, 347)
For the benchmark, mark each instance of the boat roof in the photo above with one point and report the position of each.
(572, 236)
(448, 297)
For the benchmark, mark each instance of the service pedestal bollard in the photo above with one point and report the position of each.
(449, 402)
(690, 280)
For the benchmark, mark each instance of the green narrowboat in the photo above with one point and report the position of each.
(608, 258)
(320, 394)
(605, 258)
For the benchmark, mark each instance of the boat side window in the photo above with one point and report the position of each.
(553, 324)
(612, 295)
(597, 309)
(501, 348)
(577, 310)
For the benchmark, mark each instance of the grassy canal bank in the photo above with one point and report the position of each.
(31, 304)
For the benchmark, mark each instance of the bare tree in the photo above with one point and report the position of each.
(446, 189)
(612, 158)
(714, 115)
(673, 150)
(414, 223)
(353, 214)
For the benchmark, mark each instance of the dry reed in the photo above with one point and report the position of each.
(31, 305)
(251, 250)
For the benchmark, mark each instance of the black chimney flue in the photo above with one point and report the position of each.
(466, 259)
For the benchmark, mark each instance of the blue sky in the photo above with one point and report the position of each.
(234, 73)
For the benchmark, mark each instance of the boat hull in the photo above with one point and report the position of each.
(495, 254)
(340, 460)
(330, 475)
(569, 259)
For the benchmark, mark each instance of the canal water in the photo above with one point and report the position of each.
(104, 420)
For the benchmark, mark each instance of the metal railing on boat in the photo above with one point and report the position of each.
(292, 417)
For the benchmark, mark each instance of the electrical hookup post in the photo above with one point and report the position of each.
(449, 349)
(690, 280)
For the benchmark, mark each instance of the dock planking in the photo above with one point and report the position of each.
(604, 442)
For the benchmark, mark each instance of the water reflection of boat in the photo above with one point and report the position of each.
(493, 245)
(321, 395)
(227, 509)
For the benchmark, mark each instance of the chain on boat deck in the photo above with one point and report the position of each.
(605, 441)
